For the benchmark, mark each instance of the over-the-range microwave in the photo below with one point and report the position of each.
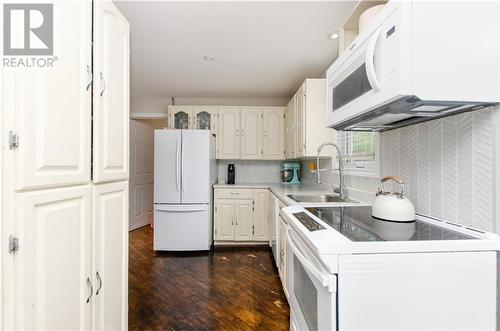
(418, 60)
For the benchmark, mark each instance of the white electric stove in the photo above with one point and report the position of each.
(341, 275)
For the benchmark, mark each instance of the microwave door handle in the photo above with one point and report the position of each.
(306, 264)
(370, 63)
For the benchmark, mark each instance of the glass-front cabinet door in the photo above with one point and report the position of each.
(180, 117)
(205, 118)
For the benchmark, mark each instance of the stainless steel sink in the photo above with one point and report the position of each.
(319, 198)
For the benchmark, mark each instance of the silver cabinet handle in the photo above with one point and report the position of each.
(89, 73)
(100, 282)
(89, 284)
(103, 84)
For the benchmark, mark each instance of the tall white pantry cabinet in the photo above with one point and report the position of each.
(65, 146)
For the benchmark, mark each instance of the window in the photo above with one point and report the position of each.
(360, 152)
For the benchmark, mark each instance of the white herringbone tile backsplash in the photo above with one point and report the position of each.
(447, 166)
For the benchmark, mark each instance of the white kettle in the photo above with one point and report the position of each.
(393, 213)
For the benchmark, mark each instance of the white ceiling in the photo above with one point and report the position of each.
(261, 49)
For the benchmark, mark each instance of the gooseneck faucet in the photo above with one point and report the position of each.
(341, 168)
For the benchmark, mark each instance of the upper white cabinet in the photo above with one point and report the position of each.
(228, 139)
(251, 137)
(49, 108)
(110, 256)
(290, 129)
(111, 93)
(306, 122)
(205, 118)
(193, 117)
(273, 133)
(53, 273)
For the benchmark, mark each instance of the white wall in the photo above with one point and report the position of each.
(159, 105)
(252, 171)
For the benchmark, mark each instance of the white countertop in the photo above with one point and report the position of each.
(283, 190)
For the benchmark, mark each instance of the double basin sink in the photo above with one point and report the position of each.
(319, 198)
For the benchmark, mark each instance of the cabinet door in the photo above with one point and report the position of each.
(290, 129)
(251, 134)
(205, 118)
(282, 247)
(224, 219)
(228, 141)
(111, 93)
(300, 109)
(110, 256)
(54, 259)
(52, 106)
(261, 215)
(181, 117)
(273, 134)
(243, 216)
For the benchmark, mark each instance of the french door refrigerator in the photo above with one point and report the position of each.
(184, 172)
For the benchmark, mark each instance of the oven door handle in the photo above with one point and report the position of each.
(306, 264)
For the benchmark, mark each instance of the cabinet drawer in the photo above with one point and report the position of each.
(234, 194)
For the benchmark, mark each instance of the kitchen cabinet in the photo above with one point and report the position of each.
(110, 256)
(243, 219)
(205, 118)
(251, 133)
(282, 251)
(305, 124)
(53, 269)
(241, 215)
(70, 169)
(290, 132)
(224, 219)
(50, 108)
(228, 140)
(261, 215)
(111, 98)
(181, 117)
(273, 133)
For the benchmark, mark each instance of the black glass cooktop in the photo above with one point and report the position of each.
(357, 224)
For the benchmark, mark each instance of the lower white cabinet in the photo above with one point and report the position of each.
(53, 263)
(262, 215)
(110, 256)
(282, 250)
(241, 215)
(71, 266)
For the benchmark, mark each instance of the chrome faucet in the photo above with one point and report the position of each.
(341, 168)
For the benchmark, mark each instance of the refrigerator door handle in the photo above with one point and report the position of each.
(181, 208)
(177, 165)
(182, 162)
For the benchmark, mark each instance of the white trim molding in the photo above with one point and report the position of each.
(139, 116)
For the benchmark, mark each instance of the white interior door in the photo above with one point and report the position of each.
(110, 256)
(52, 106)
(228, 140)
(167, 166)
(111, 93)
(195, 164)
(273, 134)
(54, 259)
(141, 174)
(251, 133)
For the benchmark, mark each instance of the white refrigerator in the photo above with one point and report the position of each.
(184, 172)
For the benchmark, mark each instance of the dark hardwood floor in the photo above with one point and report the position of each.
(229, 289)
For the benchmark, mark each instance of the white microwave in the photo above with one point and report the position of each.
(418, 60)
